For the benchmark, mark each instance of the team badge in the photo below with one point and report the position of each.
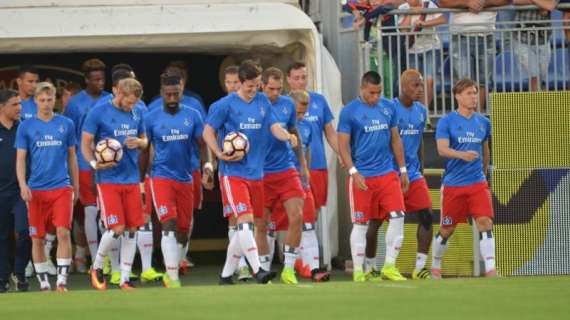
(33, 231)
(262, 111)
(241, 207)
(447, 221)
(162, 211)
(112, 219)
(61, 129)
(186, 122)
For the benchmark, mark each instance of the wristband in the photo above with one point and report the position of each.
(209, 165)
(403, 170)
(93, 164)
(352, 171)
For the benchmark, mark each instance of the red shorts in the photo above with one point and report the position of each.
(417, 198)
(320, 186)
(198, 195)
(121, 204)
(241, 196)
(50, 208)
(173, 200)
(279, 215)
(280, 187)
(147, 201)
(87, 194)
(458, 203)
(383, 196)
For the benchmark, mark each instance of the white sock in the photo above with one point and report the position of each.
(128, 250)
(231, 231)
(290, 256)
(91, 230)
(145, 245)
(41, 274)
(170, 251)
(487, 247)
(438, 248)
(62, 271)
(115, 255)
(369, 264)
(265, 262)
(181, 252)
(233, 256)
(49, 240)
(394, 237)
(310, 248)
(421, 259)
(271, 243)
(358, 245)
(248, 245)
(80, 252)
(107, 242)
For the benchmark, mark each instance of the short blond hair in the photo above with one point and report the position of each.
(45, 87)
(300, 96)
(130, 86)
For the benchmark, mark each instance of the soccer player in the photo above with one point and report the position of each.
(463, 138)
(78, 107)
(231, 79)
(369, 141)
(282, 183)
(68, 91)
(412, 117)
(12, 207)
(117, 183)
(27, 81)
(47, 141)
(248, 112)
(172, 131)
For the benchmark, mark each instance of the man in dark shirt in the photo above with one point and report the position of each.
(11, 204)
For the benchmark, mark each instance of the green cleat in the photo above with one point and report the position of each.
(373, 276)
(423, 274)
(169, 283)
(115, 278)
(390, 272)
(151, 275)
(288, 276)
(107, 266)
(358, 276)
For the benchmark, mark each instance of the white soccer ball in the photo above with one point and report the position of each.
(108, 150)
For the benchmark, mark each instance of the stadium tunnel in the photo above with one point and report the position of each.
(208, 35)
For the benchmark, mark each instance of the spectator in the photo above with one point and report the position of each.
(531, 47)
(473, 43)
(421, 48)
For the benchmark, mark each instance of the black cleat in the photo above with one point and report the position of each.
(264, 277)
(22, 283)
(226, 281)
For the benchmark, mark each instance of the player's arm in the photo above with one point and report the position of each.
(209, 136)
(345, 155)
(25, 191)
(486, 157)
(398, 150)
(283, 135)
(299, 154)
(208, 167)
(87, 141)
(140, 142)
(73, 171)
(445, 151)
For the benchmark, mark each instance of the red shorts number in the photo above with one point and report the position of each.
(50, 208)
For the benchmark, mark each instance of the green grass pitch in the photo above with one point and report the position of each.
(201, 298)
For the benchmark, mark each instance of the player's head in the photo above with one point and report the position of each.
(27, 80)
(128, 93)
(94, 73)
(68, 91)
(371, 87)
(180, 66)
(465, 92)
(119, 75)
(10, 106)
(249, 77)
(123, 66)
(412, 84)
(170, 91)
(301, 99)
(44, 96)
(272, 83)
(297, 76)
(174, 73)
(231, 79)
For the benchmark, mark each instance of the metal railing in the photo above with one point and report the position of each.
(497, 59)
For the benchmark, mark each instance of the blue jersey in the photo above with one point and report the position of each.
(47, 145)
(191, 103)
(319, 114)
(173, 138)
(253, 119)
(221, 132)
(278, 158)
(29, 108)
(411, 125)
(107, 121)
(306, 135)
(76, 110)
(140, 108)
(464, 135)
(370, 136)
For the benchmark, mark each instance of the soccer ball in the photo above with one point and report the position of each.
(236, 143)
(108, 150)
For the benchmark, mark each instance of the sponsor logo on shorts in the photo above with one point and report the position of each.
(271, 226)
(112, 219)
(33, 231)
(447, 221)
(162, 211)
(227, 210)
(241, 207)
(358, 215)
